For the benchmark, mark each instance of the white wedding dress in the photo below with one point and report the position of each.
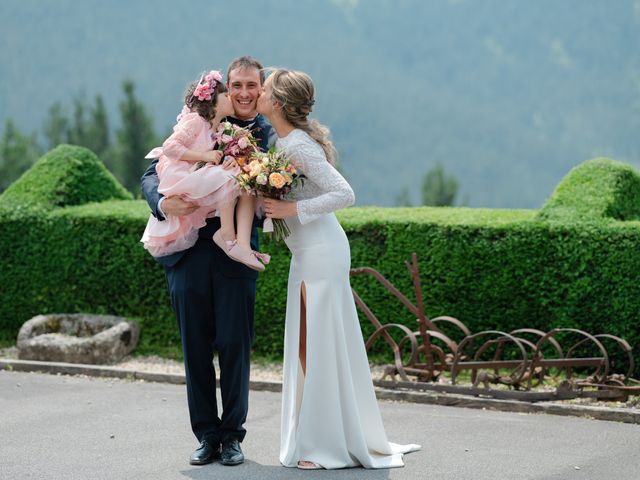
(330, 416)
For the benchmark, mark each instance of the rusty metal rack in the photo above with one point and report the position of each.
(525, 364)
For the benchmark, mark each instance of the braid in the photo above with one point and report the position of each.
(295, 91)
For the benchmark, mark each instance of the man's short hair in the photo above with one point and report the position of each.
(246, 62)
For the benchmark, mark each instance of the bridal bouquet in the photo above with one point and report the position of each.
(234, 141)
(270, 175)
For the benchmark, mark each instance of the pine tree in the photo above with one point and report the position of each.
(403, 199)
(17, 153)
(97, 135)
(77, 133)
(438, 188)
(134, 139)
(56, 126)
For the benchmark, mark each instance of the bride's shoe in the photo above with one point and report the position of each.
(306, 465)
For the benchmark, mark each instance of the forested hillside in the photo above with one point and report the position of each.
(506, 95)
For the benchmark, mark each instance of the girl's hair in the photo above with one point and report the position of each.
(294, 91)
(205, 108)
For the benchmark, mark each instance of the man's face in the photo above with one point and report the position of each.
(244, 88)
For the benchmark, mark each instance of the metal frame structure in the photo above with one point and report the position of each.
(517, 362)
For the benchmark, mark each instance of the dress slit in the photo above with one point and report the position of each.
(302, 332)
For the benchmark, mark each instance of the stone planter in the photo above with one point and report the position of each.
(77, 338)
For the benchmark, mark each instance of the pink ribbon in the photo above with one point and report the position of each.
(263, 257)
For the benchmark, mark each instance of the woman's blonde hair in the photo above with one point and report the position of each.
(294, 91)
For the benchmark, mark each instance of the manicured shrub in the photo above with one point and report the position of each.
(492, 269)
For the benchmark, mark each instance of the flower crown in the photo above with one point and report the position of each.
(207, 85)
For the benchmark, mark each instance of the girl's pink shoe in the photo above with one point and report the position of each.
(246, 256)
(237, 253)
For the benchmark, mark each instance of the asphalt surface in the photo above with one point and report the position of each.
(64, 427)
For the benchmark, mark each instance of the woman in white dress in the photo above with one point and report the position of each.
(330, 416)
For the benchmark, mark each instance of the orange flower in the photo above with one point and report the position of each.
(276, 180)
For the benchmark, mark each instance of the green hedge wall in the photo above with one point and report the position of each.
(492, 269)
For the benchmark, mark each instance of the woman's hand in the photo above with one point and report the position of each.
(280, 208)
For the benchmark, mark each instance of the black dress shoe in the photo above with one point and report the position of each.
(231, 453)
(207, 452)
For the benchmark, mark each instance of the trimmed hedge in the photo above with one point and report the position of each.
(493, 269)
(67, 175)
(596, 190)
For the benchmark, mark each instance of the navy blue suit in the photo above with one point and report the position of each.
(213, 299)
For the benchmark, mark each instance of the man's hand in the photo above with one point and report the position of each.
(280, 208)
(178, 207)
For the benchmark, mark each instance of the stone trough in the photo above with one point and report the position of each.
(77, 338)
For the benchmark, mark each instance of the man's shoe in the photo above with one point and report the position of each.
(231, 453)
(207, 452)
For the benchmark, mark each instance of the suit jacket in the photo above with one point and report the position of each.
(263, 133)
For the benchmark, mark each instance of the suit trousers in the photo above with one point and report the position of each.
(214, 309)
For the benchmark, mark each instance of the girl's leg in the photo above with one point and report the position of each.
(227, 228)
(244, 218)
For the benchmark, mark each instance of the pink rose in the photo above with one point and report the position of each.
(243, 143)
(213, 75)
(203, 92)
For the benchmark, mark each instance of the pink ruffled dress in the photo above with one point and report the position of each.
(210, 187)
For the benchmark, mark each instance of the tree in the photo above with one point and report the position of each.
(56, 126)
(17, 153)
(134, 139)
(403, 199)
(438, 188)
(77, 133)
(97, 134)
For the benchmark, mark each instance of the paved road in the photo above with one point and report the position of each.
(61, 427)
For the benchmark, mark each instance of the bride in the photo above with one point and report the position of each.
(330, 416)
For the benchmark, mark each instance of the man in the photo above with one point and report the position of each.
(213, 298)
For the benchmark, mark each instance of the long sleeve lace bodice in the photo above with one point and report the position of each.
(324, 190)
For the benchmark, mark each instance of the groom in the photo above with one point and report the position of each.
(213, 298)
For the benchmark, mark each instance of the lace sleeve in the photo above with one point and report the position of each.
(336, 192)
(183, 136)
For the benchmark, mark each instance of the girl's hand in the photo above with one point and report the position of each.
(229, 163)
(212, 156)
(280, 208)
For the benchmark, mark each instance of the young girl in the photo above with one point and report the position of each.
(211, 187)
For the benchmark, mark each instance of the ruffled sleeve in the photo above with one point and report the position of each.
(310, 159)
(184, 134)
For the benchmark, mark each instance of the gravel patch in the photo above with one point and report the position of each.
(272, 372)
